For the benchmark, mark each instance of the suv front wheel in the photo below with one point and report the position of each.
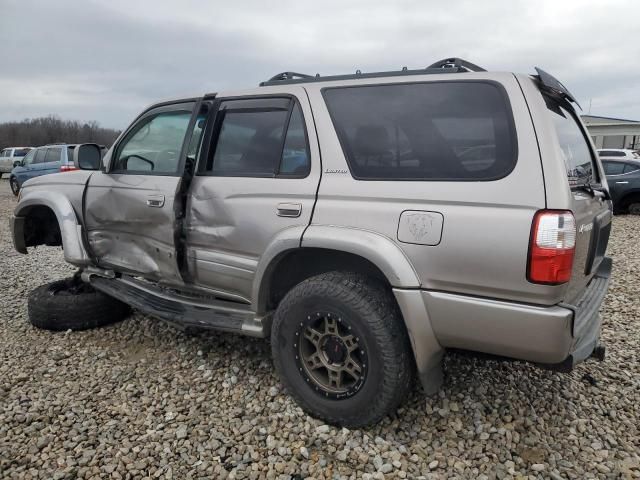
(15, 187)
(341, 349)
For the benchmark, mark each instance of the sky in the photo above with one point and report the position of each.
(106, 60)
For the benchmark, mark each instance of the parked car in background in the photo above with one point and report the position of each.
(9, 156)
(43, 161)
(619, 154)
(623, 177)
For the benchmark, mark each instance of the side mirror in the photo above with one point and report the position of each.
(87, 156)
(17, 163)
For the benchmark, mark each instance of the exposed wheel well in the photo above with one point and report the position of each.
(297, 265)
(41, 227)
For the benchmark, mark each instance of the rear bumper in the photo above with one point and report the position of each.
(586, 316)
(561, 335)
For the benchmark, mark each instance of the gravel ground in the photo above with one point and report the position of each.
(141, 399)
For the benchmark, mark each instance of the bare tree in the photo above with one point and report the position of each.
(41, 131)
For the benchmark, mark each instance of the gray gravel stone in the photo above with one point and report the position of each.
(143, 399)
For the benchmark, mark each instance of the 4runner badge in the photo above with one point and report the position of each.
(586, 227)
(335, 170)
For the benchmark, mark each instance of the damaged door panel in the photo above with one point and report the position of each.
(131, 208)
(257, 175)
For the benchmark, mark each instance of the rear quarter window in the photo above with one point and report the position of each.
(573, 143)
(453, 131)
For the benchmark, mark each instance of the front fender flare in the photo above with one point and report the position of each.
(70, 228)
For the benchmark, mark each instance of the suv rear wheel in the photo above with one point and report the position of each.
(341, 349)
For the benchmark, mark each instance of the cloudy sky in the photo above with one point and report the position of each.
(105, 61)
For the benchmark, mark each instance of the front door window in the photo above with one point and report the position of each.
(153, 145)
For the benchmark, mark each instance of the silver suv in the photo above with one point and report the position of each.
(365, 223)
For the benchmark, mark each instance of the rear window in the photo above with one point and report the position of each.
(573, 143)
(21, 152)
(425, 131)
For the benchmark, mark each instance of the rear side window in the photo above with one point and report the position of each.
(261, 142)
(573, 143)
(631, 167)
(53, 154)
(425, 131)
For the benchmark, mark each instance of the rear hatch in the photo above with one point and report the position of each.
(589, 197)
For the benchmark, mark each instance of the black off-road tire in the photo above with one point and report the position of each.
(369, 308)
(15, 187)
(70, 304)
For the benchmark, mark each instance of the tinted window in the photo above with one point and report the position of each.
(70, 150)
(40, 154)
(631, 167)
(610, 153)
(53, 154)
(295, 155)
(613, 168)
(21, 152)
(575, 149)
(249, 143)
(6, 153)
(427, 131)
(154, 144)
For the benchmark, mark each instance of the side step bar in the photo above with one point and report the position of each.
(173, 307)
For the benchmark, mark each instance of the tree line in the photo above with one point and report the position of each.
(34, 132)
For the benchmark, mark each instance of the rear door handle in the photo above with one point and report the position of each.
(623, 182)
(155, 201)
(289, 209)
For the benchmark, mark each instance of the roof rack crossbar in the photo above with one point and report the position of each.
(289, 76)
(456, 62)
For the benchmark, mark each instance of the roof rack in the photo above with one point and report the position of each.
(458, 63)
(447, 65)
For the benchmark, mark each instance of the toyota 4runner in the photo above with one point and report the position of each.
(365, 223)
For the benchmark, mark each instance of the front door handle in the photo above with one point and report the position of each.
(623, 182)
(155, 201)
(289, 209)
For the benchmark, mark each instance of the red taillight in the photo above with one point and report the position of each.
(68, 168)
(553, 242)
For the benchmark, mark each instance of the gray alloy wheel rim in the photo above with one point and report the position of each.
(330, 355)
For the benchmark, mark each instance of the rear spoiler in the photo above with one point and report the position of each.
(554, 87)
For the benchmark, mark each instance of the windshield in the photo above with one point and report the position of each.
(575, 149)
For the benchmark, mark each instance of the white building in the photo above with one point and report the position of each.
(613, 132)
